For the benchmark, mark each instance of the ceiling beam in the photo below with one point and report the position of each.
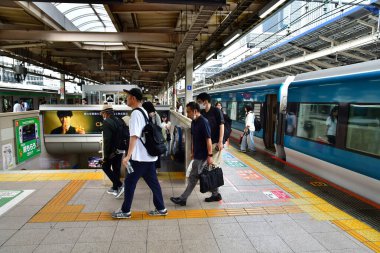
(148, 7)
(76, 36)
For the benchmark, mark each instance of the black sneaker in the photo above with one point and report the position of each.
(156, 212)
(178, 201)
(214, 198)
(120, 215)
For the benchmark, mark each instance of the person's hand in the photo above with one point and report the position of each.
(220, 146)
(80, 130)
(209, 160)
(126, 160)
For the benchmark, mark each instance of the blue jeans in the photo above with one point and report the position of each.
(146, 170)
(250, 142)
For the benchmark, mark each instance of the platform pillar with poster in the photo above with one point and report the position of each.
(28, 138)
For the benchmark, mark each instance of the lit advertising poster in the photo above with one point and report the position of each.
(28, 142)
(75, 122)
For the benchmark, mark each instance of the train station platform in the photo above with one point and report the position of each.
(267, 206)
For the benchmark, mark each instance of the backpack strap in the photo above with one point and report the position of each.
(141, 110)
(146, 120)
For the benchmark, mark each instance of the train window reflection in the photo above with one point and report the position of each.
(363, 130)
(318, 122)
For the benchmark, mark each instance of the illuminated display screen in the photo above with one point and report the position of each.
(75, 122)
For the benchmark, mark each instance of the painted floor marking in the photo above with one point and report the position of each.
(12, 198)
(315, 206)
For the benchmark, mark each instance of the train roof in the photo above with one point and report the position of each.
(344, 71)
(276, 81)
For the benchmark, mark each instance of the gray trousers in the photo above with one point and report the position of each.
(193, 179)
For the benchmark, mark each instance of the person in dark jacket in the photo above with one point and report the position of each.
(66, 128)
(111, 155)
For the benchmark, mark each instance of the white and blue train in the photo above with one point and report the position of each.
(295, 113)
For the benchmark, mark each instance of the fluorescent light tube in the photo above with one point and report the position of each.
(231, 39)
(210, 55)
(273, 7)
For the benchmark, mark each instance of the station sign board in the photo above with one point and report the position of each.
(28, 138)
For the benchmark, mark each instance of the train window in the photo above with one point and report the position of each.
(317, 122)
(363, 130)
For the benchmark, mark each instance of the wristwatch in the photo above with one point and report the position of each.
(209, 155)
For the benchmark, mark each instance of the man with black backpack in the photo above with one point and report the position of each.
(141, 156)
(112, 154)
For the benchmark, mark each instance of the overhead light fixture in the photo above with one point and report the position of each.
(210, 55)
(196, 67)
(270, 7)
(232, 37)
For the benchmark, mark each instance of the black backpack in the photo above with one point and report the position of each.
(121, 137)
(154, 140)
(227, 127)
(257, 124)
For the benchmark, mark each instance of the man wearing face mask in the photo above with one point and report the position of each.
(216, 121)
(201, 149)
(112, 156)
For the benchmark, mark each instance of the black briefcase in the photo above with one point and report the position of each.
(210, 178)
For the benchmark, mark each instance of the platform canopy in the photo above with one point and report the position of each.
(142, 42)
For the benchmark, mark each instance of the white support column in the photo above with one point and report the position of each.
(167, 94)
(175, 93)
(189, 76)
(62, 88)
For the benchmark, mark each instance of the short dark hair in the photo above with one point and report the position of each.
(61, 114)
(149, 107)
(204, 96)
(193, 106)
(248, 107)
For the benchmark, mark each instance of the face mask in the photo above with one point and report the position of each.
(202, 106)
(104, 118)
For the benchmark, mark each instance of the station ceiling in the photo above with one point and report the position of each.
(152, 37)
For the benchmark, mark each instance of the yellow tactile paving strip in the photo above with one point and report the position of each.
(318, 208)
(58, 176)
(58, 210)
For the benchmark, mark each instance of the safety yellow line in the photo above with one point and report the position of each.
(317, 207)
(61, 175)
(58, 210)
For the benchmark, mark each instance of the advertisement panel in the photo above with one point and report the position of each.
(28, 142)
(75, 122)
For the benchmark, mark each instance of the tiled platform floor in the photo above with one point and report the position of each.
(265, 208)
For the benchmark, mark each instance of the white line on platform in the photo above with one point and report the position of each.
(15, 201)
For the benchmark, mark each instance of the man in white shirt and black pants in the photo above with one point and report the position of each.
(142, 163)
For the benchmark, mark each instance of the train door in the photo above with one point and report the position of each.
(270, 111)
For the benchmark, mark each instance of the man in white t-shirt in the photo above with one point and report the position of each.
(142, 163)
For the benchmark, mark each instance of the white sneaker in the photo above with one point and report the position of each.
(120, 192)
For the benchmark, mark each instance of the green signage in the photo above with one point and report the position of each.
(6, 196)
(28, 142)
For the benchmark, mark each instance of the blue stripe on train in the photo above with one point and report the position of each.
(359, 163)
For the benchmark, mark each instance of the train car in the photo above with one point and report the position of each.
(268, 99)
(333, 126)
